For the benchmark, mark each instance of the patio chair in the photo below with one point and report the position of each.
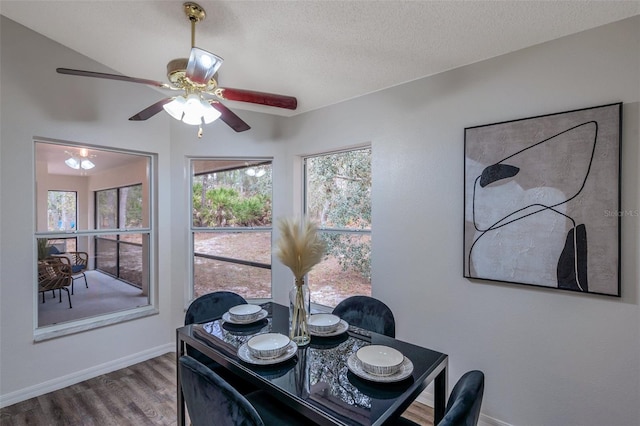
(78, 261)
(54, 274)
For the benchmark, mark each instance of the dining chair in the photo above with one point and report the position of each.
(463, 407)
(368, 313)
(211, 306)
(207, 308)
(210, 401)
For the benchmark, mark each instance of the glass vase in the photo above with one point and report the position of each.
(299, 307)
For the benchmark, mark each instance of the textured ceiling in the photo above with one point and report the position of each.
(322, 52)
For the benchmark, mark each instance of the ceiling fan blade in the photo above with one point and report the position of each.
(230, 118)
(269, 99)
(83, 73)
(150, 111)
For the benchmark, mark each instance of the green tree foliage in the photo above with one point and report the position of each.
(232, 198)
(133, 202)
(339, 197)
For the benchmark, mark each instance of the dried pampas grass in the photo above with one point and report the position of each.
(299, 248)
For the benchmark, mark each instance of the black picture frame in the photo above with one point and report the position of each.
(542, 200)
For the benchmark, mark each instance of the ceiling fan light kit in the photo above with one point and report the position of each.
(197, 78)
(80, 160)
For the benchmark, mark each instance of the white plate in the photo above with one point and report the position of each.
(406, 368)
(261, 315)
(342, 327)
(244, 355)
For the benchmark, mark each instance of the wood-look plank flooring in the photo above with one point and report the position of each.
(142, 394)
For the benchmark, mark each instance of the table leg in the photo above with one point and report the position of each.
(179, 353)
(440, 396)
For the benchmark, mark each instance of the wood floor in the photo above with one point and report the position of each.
(143, 394)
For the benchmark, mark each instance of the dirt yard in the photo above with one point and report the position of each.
(327, 282)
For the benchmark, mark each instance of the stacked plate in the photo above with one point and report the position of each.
(244, 314)
(380, 363)
(267, 348)
(268, 345)
(380, 360)
(326, 325)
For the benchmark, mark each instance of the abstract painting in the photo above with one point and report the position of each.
(542, 200)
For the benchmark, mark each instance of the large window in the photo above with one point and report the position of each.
(99, 218)
(337, 196)
(231, 226)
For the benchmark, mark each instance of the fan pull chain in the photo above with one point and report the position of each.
(200, 132)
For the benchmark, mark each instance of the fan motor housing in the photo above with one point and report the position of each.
(176, 70)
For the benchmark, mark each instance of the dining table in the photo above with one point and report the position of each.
(322, 380)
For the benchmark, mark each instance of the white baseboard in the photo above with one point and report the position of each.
(426, 398)
(80, 376)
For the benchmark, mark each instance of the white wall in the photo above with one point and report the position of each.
(36, 101)
(550, 357)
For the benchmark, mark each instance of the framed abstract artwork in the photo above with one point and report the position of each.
(542, 200)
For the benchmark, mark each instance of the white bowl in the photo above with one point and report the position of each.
(323, 323)
(268, 345)
(380, 360)
(244, 312)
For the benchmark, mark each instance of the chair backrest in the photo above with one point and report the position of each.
(53, 273)
(212, 401)
(368, 313)
(211, 306)
(463, 408)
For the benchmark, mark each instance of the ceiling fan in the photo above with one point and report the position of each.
(196, 77)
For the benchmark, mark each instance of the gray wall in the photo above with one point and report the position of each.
(551, 358)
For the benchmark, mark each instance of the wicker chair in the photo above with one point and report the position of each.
(54, 274)
(78, 261)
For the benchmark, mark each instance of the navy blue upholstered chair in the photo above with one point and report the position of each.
(210, 307)
(212, 401)
(463, 407)
(368, 313)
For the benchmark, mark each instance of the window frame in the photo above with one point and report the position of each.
(118, 241)
(49, 332)
(305, 202)
(254, 161)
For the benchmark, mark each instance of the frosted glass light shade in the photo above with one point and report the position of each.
(175, 108)
(72, 162)
(209, 113)
(202, 65)
(87, 164)
(192, 110)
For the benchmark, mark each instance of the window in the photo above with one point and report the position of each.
(231, 226)
(62, 211)
(62, 214)
(337, 194)
(104, 214)
(120, 255)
